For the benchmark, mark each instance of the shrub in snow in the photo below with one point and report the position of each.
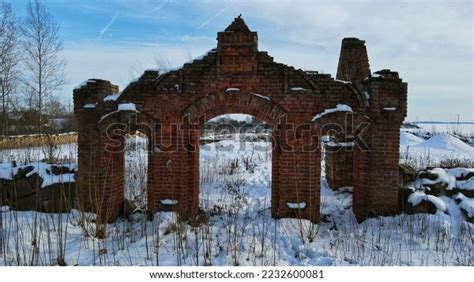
(422, 203)
(129, 208)
(403, 195)
(432, 189)
(407, 173)
(466, 205)
(439, 181)
(40, 187)
(461, 173)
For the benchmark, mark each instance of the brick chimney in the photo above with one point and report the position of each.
(353, 61)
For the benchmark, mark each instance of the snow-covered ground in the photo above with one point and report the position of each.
(421, 153)
(236, 227)
(63, 153)
(466, 129)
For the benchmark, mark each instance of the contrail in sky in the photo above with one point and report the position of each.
(108, 25)
(211, 18)
(159, 6)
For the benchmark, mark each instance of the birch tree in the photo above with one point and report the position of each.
(9, 60)
(45, 69)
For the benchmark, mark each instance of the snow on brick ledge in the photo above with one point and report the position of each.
(297, 89)
(332, 143)
(127, 107)
(169, 202)
(112, 97)
(230, 89)
(163, 71)
(121, 107)
(89, 106)
(300, 205)
(261, 96)
(390, 109)
(338, 108)
(343, 81)
(84, 83)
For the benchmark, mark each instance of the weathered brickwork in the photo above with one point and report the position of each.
(170, 106)
(339, 165)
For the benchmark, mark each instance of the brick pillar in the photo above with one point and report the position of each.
(353, 61)
(376, 177)
(193, 172)
(100, 175)
(276, 150)
(110, 195)
(170, 170)
(300, 173)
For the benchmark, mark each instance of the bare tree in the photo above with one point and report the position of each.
(43, 65)
(9, 60)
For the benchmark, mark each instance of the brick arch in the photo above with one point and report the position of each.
(341, 124)
(109, 171)
(347, 152)
(216, 104)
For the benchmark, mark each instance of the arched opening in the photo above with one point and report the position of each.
(235, 164)
(126, 147)
(136, 171)
(214, 105)
(344, 152)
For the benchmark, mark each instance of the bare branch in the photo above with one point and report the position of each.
(45, 69)
(9, 60)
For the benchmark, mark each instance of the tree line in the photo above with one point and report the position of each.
(32, 72)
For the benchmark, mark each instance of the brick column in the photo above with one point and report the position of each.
(193, 135)
(376, 177)
(100, 176)
(110, 195)
(276, 150)
(353, 61)
(172, 170)
(299, 182)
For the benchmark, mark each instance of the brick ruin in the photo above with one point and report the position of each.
(361, 113)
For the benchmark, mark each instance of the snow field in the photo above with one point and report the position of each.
(236, 227)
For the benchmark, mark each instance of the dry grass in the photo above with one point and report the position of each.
(36, 140)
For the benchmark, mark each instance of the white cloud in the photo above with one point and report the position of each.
(429, 43)
(120, 63)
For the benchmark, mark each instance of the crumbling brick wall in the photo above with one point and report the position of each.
(170, 106)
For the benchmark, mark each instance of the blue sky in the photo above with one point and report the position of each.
(428, 42)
